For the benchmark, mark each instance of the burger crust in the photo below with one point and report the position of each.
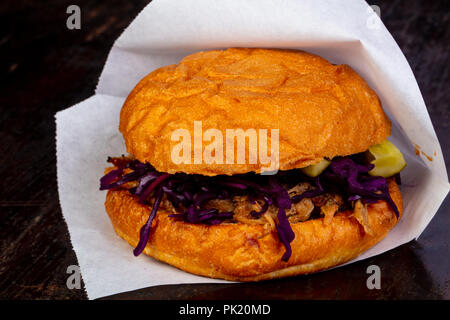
(321, 109)
(244, 252)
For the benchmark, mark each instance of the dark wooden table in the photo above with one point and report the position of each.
(45, 68)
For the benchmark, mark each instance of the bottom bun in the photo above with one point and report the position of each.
(244, 252)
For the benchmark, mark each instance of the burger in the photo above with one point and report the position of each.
(187, 195)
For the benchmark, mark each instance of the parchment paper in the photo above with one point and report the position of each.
(165, 31)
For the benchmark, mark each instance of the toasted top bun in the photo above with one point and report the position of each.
(321, 110)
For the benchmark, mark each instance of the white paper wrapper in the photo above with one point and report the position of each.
(165, 31)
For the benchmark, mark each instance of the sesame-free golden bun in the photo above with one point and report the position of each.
(249, 252)
(321, 109)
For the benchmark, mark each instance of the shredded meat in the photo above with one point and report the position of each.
(167, 205)
(299, 189)
(270, 220)
(321, 200)
(300, 211)
(242, 209)
(225, 205)
(328, 210)
(361, 214)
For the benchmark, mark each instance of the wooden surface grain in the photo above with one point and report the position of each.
(45, 68)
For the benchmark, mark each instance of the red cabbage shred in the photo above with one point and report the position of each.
(347, 176)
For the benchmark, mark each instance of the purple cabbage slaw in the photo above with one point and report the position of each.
(347, 176)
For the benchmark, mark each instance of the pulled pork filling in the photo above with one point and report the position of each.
(275, 201)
